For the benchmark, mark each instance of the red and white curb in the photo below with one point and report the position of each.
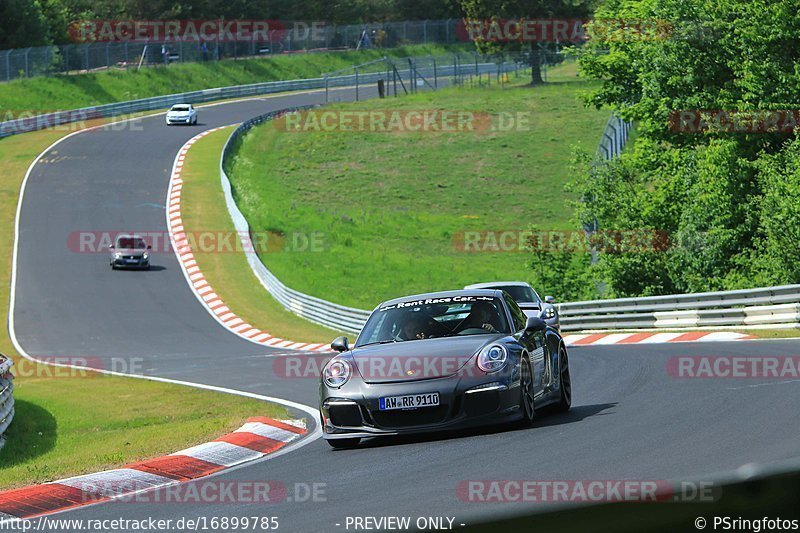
(259, 437)
(197, 281)
(594, 339)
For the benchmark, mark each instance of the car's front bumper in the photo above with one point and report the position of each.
(176, 120)
(463, 403)
(130, 263)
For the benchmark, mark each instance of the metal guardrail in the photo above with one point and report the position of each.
(318, 310)
(81, 58)
(769, 307)
(615, 136)
(6, 396)
(457, 67)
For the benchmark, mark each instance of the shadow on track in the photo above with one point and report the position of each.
(576, 414)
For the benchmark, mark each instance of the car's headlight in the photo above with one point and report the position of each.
(492, 358)
(145, 256)
(336, 373)
(549, 313)
(117, 255)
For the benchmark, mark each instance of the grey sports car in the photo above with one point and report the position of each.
(129, 251)
(440, 361)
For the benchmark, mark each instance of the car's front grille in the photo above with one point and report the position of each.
(130, 257)
(407, 418)
(481, 403)
(345, 415)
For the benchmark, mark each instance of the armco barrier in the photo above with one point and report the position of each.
(6, 396)
(320, 311)
(767, 307)
(23, 125)
(315, 309)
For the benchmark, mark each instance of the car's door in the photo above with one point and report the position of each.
(533, 343)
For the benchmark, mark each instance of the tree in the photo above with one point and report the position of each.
(486, 10)
(726, 196)
(22, 24)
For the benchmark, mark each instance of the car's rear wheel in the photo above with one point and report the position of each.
(341, 444)
(565, 382)
(526, 403)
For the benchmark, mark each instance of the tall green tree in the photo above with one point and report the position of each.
(524, 9)
(22, 24)
(724, 197)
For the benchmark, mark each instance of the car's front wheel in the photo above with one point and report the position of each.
(565, 382)
(342, 444)
(526, 404)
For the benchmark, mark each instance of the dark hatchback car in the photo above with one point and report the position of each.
(442, 361)
(129, 251)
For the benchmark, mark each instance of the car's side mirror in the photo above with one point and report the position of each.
(534, 323)
(340, 344)
(111, 246)
(549, 299)
(149, 247)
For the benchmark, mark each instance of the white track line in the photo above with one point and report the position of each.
(310, 411)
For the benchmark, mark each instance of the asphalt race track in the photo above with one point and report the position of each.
(630, 419)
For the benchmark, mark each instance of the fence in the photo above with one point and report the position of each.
(615, 136)
(6, 396)
(768, 307)
(326, 313)
(81, 58)
(422, 68)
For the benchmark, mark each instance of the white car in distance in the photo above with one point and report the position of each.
(182, 114)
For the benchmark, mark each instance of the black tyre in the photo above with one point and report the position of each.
(526, 403)
(342, 444)
(565, 382)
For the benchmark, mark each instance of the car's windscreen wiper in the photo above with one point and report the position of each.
(379, 342)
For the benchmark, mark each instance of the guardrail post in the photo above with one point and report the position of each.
(108, 55)
(435, 80)
(27, 68)
(325, 77)
(356, 69)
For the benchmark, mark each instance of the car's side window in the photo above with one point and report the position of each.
(516, 314)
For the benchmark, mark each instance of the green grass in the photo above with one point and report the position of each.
(61, 428)
(203, 210)
(391, 205)
(74, 91)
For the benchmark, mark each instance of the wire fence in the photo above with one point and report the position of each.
(90, 57)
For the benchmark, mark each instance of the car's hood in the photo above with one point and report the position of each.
(418, 359)
(130, 251)
(178, 113)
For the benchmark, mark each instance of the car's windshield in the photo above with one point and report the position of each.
(520, 293)
(131, 242)
(428, 318)
(180, 108)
